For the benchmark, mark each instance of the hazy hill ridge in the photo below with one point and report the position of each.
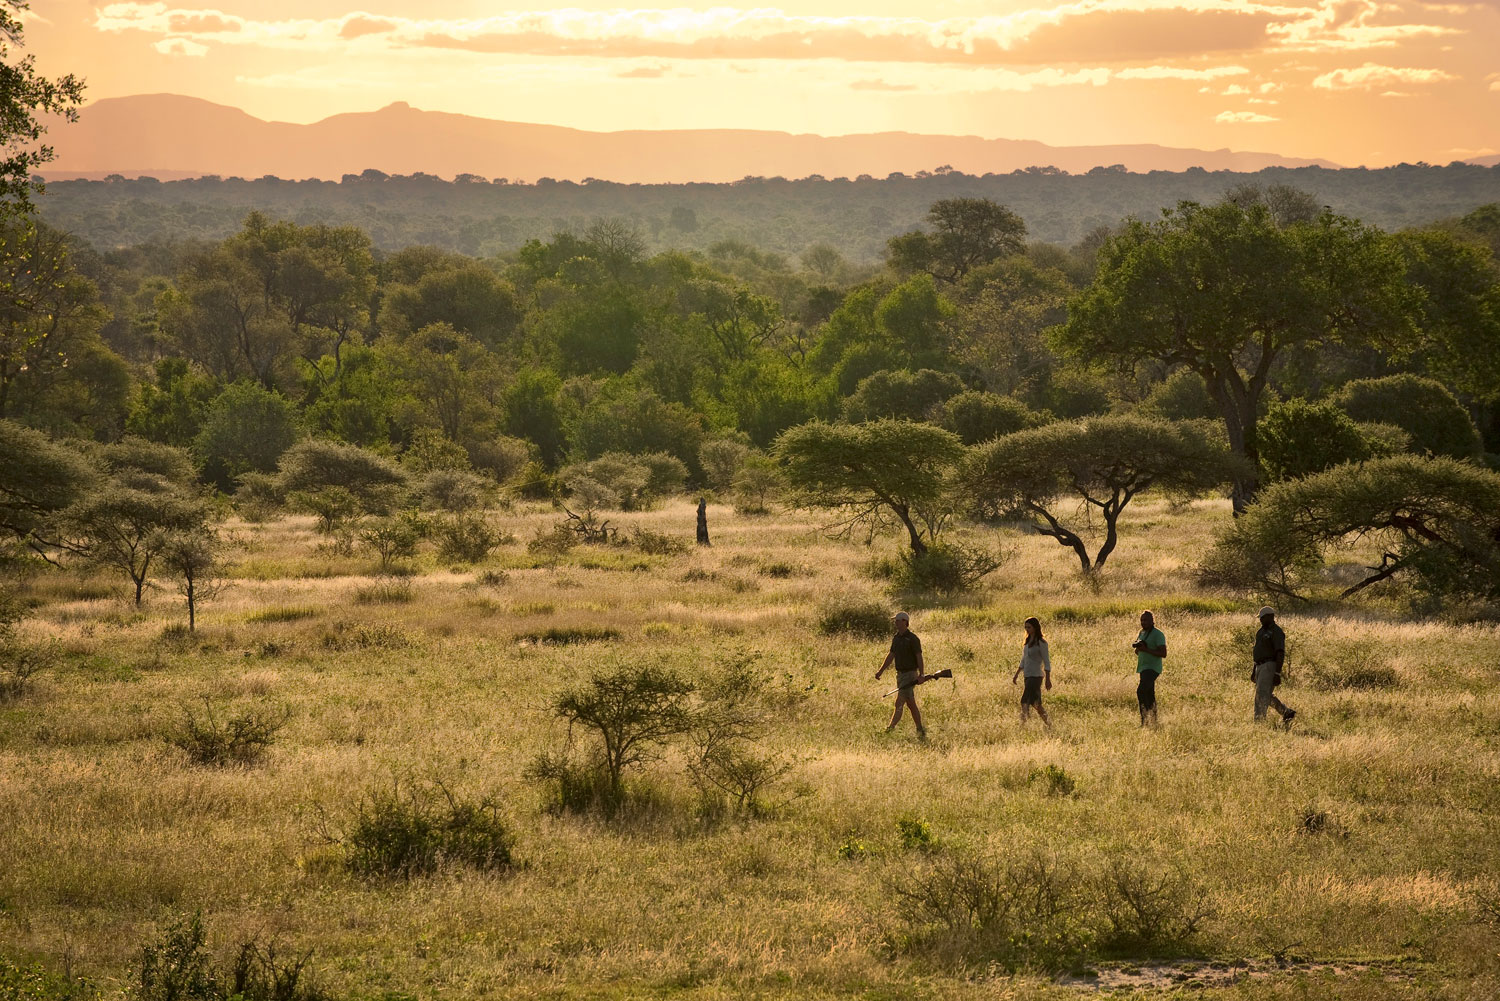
(169, 135)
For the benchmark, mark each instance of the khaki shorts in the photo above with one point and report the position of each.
(906, 681)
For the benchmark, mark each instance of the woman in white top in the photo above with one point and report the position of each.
(1036, 665)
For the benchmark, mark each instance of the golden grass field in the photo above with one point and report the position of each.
(109, 831)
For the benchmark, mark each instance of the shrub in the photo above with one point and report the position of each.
(861, 617)
(1359, 675)
(1149, 907)
(914, 396)
(572, 786)
(502, 457)
(455, 490)
(430, 451)
(1437, 422)
(757, 482)
(571, 634)
(315, 465)
(177, 967)
(914, 833)
(386, 591)
(240, 740)
(552, 544)
(342, 637)
(417, 829)
(246, 429)
(37, 983)
(1055, 780)
(978, 416)
(283, 613)
(392, 539)
(721, 459)
(657, 543)
(492, 578)
(1297, 438)
(1029, 911)
(732, 718)
(466, 538)
(21, 662)
(945, 568)
(1181, 396)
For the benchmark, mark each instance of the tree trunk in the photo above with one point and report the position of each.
(1237, 407)
(703, 523)
(918, 547)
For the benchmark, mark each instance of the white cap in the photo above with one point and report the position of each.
(1267, 610)
(901, 616)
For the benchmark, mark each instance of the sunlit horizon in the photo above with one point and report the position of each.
(1357, 83)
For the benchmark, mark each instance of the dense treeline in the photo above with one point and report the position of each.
(1255, 339)
(475, 216)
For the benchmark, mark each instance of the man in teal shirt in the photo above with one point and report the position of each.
(1150, 650)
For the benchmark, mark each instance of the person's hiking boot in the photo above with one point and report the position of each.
(1288, 716)
(922, 734)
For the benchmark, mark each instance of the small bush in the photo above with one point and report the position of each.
(1054, 780)
(418, 829)
(20, 663)
(240, 740)
(852, 848)
(857, 616)
(466, 538)
(392, 539)
(551, 545)
(178, 967)
(1315, 821)
(456, 490)
(1149, 907)
(657, 543)
(946, 568)
(914, 833)
(36, 983)
(492, 578)
(572, 786)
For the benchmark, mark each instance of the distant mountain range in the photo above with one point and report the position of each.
(169, 136)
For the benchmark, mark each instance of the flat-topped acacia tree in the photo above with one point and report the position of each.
(1105, 461)
(870, 470)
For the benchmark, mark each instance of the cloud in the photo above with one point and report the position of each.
(1076, 32)
(360, 25)
(1372, 76)
(1234, 90)
(1242, 117)
(643, 73)
(882, 85)
(180, 47)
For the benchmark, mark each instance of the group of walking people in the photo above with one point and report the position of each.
(1035, 666)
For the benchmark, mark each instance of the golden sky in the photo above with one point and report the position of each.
(1355, 81)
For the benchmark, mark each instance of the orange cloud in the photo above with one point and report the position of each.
(1241, 117)
(1371, 76)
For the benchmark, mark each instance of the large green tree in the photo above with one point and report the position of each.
(966, 233)
(1224, 291)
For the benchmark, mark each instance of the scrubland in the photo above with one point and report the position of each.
(1355, 855)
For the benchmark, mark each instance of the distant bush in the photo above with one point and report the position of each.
(257, 496)
(392, 539)
(721, 459)
(1148, 906)
(563, 635)
(756, 484)
(466, 538)
(455, 490)
(242, 739)
(1437, 422)
(1297, 438)
(315, 465)
(978, 416)
(657, 543)
(418, 829)
(1360, 674)
(914, 396)
(1181, 396)
(283, 613)
(387, 590)
(502, 457)
(945, 568)
(1054, 780)
(246, 429)
(862, 617)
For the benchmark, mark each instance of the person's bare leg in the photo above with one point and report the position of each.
(1025, 714)
(1043, 714)
(916, 717)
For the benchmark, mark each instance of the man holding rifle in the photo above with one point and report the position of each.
(906, 654)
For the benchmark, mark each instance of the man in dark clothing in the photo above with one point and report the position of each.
(1270, 658)
(1150, 648)
(906, 654)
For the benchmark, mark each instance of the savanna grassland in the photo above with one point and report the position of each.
(1356, 855)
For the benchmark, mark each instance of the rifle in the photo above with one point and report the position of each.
(944, 673)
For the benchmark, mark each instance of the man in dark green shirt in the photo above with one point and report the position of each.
(1270, 657)
(906, 654)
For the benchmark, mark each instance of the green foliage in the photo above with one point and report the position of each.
(429, 451)
(392, 539)
(317, 466)
(914, 396)
(1297, 438)
(977, 416)
(39, 477)
(36, 983)
(247, 429)
(1437, 422)
(1181, 396)
(1224, 290)
(757, 482)
(455, 490)
(242, 739)
(862, 617)
(966, 233)
(1437, 521)
(633, 710)
(178, 967)
(637, 422)
(1105, 461)
(945, 568)
(1054, 780)
(915, 833)
(625, 482)
(418, 829)
(869, 471)
(657, 543)
(28, 100)
(1460, 280)
(171, 410)
(127, 526)
(467, 537)
(721, 459)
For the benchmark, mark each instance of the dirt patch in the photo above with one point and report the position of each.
(1151, 977)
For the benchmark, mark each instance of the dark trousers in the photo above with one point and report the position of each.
(1145, 691)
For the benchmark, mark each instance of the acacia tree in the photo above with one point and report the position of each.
(1436, 520)
(1105, 461)
(872, 470)
(196, 559)
(39, 477)
(127, 528)
(1224, 291)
